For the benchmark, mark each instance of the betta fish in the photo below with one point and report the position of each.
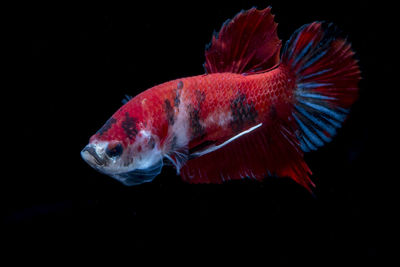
(253, 114)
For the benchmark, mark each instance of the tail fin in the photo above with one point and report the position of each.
(327, 78)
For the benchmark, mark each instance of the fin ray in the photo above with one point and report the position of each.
(259, 153)
(327, 76)
(213, 147)
(248, 43)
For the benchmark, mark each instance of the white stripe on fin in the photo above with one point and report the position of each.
(214, 147)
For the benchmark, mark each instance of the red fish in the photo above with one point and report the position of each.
(251, 115)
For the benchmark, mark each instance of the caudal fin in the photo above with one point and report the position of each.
(327, 77)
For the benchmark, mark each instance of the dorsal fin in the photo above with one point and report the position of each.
(247, 43)
(126, 99)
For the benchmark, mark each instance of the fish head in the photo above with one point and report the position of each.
(125, 150)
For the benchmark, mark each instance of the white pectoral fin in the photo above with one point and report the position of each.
(178, 158)
(213, 147)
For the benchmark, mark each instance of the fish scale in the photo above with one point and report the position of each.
(260, 91)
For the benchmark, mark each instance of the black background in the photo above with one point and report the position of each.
(74, 65)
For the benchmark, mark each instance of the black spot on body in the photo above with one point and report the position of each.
(243, 113)
(200, 97)
(106, 126)
(180, 85)
(169, 111)
(129, 126)
(177, 98)
(194, 115)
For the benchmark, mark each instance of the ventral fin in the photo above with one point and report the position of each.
(214, 146)
(246, 44)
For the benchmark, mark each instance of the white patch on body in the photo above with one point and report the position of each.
(146, 157)
(219, 118)
(176, 145)
(180, 128)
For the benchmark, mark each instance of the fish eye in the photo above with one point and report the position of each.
(113, 151)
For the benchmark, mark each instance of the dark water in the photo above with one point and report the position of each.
(75, 64)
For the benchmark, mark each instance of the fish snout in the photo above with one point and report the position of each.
(90, 155)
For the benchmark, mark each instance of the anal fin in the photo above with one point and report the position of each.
(262, 152)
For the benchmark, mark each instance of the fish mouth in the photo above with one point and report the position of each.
(90, 155)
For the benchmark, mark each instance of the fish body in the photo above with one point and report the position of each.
(213, 107)
(252, 114)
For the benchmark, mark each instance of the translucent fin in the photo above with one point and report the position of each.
(139, 176)
(178, 158)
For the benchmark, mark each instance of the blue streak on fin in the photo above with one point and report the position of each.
(311, 85)
(301, 54)
(313, 60)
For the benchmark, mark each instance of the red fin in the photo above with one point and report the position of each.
(263, 152)
(247, 43)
